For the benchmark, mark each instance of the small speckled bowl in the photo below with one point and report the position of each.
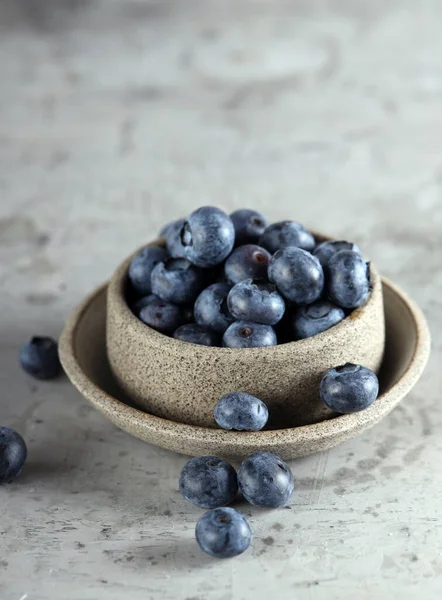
(83, 355)
(183, 382)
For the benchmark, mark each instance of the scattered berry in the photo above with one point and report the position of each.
(241, 412)
(349, 388)
(39, 358)
(245, 334)
(223, 533)
(208, 482)
(265, 480)
(13, 454)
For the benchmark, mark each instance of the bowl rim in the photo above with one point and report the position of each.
(118, 282)
(108, 404)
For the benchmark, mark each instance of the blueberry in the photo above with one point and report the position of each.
(326, 250)
(349, 282)
(162, 316)
(246, 334)
(144, 301)
(241, 411)
(197, 334)
(297, 274)
(223, 533)
(164, 231)
(211, 307)
(39, 358)
(173, 238)
(207, 236)
(256, 301)
(208, 482)
(286, 233)
(177, 280)
(13, 454)
(349, 388)
(141, 267)
(247, 262)
(249, 225)
(314, 318)
(265, 480)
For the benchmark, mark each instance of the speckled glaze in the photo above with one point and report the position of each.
(183, 382)
(83, 355)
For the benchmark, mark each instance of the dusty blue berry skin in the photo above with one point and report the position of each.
(265, 480)
(177, 280)
(144, 301)
(349, 388)
(247, 262)
(249, 226)
(173, 238)
(197, 334)
(246, 334)
(297, 274)
(13, 453)
(314, 318)
(211, 307)
(326, 250)
(349, 282)
(39, 358)
(256, 301)
(141, 268)
(207, 236)
(162, 316)
(241, 412)
(286, 233)
(223, 533)
(208, 482)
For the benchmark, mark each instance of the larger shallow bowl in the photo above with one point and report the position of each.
(83, 355)
(183, 382)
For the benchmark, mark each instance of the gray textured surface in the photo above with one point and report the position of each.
(115, 116)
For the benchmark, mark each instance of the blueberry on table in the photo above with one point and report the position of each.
(211, 307)
(141, 267)
(207, 236)
(197, 334)
(257, 301)
(247, 262)
(208, 482)
(349, 281)
(246, 334)
(286, 233)
(39, 358)
(249, 225)
(223, 533)
(349, 388)
(314, 318)
(13, 454)
(177, 280)
(173, 238)
(162, 316)
(265, 480)
(297, 274)
(241, 412)
(326, 250)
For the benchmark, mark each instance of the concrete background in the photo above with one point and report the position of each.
(117, 116)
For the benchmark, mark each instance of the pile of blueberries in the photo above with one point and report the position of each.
(237, 281)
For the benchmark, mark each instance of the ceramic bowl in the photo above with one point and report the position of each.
(183, 382)
(83, 355)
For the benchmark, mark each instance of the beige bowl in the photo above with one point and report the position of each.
(183, 382)
(83, 355)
